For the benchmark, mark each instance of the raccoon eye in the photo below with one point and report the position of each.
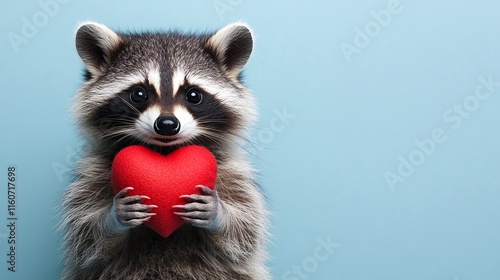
(194, 96)
(138, 95)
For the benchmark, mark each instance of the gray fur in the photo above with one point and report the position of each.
(93, 248)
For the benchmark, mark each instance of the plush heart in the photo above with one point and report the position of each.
(163, 179)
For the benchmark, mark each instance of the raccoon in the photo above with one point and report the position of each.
(164, 90)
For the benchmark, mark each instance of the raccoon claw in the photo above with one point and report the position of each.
(204, 211)
(128, 211)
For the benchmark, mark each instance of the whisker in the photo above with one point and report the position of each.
(129, 105)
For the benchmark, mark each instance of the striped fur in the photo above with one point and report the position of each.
(166, 65)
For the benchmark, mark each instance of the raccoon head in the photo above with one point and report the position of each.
(164, 89)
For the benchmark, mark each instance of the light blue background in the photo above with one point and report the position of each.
(322, 170)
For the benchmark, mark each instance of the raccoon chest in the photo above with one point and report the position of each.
(144, 241)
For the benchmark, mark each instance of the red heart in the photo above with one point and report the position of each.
(163, 179)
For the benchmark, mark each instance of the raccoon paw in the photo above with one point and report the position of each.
(128, 211)
(204, 211)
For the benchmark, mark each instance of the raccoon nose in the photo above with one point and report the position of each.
(167, 125)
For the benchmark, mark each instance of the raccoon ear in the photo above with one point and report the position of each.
(231, 46)
(96, 45)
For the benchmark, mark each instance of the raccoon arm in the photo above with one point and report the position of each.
(236, 226)
(204, 211)
(98, 225)
(240, 230)
(112, 225)
(217, 224)
(127, 212)
(89, 241)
